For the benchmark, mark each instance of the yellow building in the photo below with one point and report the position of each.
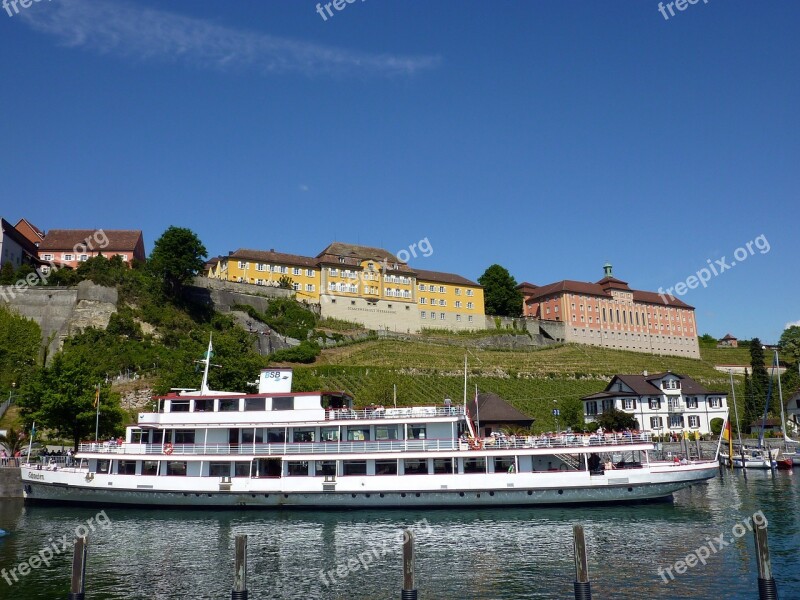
(362, 284)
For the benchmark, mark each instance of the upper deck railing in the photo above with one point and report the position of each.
(380, 412)
(560, 442)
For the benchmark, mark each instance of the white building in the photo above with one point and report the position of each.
(662, 403)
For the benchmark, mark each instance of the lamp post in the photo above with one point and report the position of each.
(556, 413)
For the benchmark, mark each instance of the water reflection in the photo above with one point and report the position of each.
(482, 554)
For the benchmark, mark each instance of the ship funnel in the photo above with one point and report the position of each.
(275, 381)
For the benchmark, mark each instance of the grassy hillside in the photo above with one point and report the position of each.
(535, 381)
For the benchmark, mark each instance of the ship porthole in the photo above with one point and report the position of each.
(352, 495)
(367, 495)
(630, 489)
(266, 495)
(286, 495)
(382, 495)
(530, 493)
(461, 494)
(560, 492)
(491, 493)
(477, 495)
(417, 494)
(403, 495)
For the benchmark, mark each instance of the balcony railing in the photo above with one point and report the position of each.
(394, 413)
(560, 442)
(676, 408)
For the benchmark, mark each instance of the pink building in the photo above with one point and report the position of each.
(70, 247)
(610, 314)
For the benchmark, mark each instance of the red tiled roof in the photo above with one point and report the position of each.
(119, 240)
(444, 278)
(273, 257)
(596, 289)
(27, 245)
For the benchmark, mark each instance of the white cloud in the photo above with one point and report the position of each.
(122, 29)
(792, 324)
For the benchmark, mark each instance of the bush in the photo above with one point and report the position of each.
(306, 352)
(716, 425)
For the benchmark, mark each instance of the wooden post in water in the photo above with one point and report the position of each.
(240, 570)
(699, 451)
(583, 588)
(409, 592)
(767, 589)
(77, 588)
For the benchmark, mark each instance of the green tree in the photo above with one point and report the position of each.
(616, 420)
(790, 344)
(759, 383)
(716, 425)
(285, 282)
(177, 257)
(13, 440)
(20, 344)
(707, 341)
(7, 274)
(61, 398)
(500, 294)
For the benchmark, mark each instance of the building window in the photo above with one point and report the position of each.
(458, 317)
(341, 259)
(441, 289)
(333, 272)
(715, 402)
(309, 287)
(629, 404)
(591, 408)
(296, 271)
(442, 302)
(422, 314)
(296, 287)
(422, 300)
(691, 402)
(655, 403)
(47, 257)
(242, 264)
(694, 421)
(676, 421)
(83, 257)
(458, 291)
(469, 292)
(458, 303)
(441, 316)
(469, 305)
(309, 272)
(469, 318)
(421, 287)
(68, 256)
(656, 423)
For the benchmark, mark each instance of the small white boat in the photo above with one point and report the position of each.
(753, 459)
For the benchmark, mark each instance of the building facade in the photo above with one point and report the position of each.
(664, 403)
(611, 314)
(15, 248)
(362, 284)
(70, 247)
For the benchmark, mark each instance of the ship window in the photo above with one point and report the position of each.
(416, 432)
(158, 436)
(414, 466)
(297, 468)
(179, 406)
(247, 436)
(385, 467)
(229, 405)
(276, 435)
(356, 434)
(442, 465)
(283, 403)
(303, 435)
(139, 436)
(354, 467)
(503, 464)
(386, 432)
(203, 406)
(475, 465)
(326, 467)
(126, 467)
(255, 404)
(329, 434)
(150, 467)
(219, 469)
(184, 436)
(103, 465)
(241, 469)
(176, 467)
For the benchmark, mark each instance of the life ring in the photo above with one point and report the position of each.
(476, 443)
(167, 448)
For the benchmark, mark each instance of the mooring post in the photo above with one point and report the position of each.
(699, 451)
(767, 589)
(409, 592)
(240, 570)
(77, 589)
(583, 588)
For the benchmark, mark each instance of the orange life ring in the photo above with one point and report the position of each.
(476, 443)
(167, 448)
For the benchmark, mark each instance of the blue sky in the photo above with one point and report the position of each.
(547, 136)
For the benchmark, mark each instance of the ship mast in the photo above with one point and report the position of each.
(207, 362)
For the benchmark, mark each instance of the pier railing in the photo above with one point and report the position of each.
(361, 447)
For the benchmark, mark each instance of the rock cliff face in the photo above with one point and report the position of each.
(61, 312)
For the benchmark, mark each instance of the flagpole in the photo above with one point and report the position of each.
(30, 442)
(97, 417)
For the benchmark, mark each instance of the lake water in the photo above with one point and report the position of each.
(507, 554)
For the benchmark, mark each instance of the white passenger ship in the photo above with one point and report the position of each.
(282, 449)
